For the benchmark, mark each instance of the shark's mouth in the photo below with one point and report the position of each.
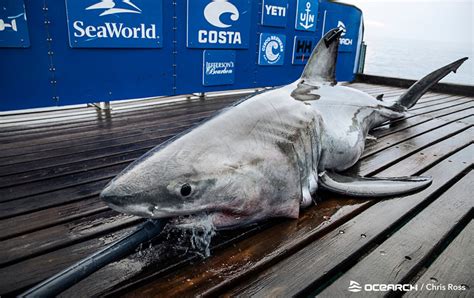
(221, 218)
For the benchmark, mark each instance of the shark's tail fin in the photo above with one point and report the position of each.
(411, 96)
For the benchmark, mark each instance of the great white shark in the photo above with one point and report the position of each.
(266, 155)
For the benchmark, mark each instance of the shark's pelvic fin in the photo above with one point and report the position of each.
(321, 66)
(371, 187)
(411, 96)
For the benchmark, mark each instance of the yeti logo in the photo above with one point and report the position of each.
(354, 287)
(109, 7)
(216, 9)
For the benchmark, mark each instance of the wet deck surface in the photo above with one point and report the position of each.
(54, 164)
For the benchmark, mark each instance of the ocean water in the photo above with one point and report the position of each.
(412, 59)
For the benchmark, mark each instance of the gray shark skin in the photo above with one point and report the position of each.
(268, 154)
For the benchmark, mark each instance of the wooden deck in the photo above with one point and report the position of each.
(53, 164)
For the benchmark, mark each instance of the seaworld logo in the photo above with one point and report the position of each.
(109, 7)
(112, 30)
(213, 13)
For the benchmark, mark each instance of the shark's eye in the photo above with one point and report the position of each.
(186, 190)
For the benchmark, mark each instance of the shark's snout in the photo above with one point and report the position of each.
(125, 203)
(110, 197)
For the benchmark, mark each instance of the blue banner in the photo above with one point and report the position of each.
(302, 48)
(115, 23)
(306, 15)
(346, 18)
(272, 49)
(13, 24)
(218, 24)
(218, 67)
(110, 50)
(274, 13)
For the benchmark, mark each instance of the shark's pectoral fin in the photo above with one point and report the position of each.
(371, 187)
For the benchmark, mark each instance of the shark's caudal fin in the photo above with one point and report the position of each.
(371, 187)
(321, 66)
(411, 96)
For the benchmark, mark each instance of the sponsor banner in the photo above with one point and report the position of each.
(306, 15)
(218, 67)
(272, 49)
(274, 13)
(13, 24)
(218, 24)
(347, 22)
(115, 23)
(302, 48)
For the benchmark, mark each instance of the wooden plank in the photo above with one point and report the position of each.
(464, 103)
(432, 153)
(391, 155)
(117, 115)
(68, 169)
(399, 257)
(459, 115)
(436, 101)
(30, 222)
(20, 276)
(63, 182)
(98, 140)
(78, 151)
(139, 117)
(454, 266)
(53, 198)
(396, 126)
(40, 242)
(320, 260)
(404, 135)
(110, 127)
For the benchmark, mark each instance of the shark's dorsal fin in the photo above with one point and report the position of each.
(321, 66)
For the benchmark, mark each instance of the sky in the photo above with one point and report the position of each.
(425, 20)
